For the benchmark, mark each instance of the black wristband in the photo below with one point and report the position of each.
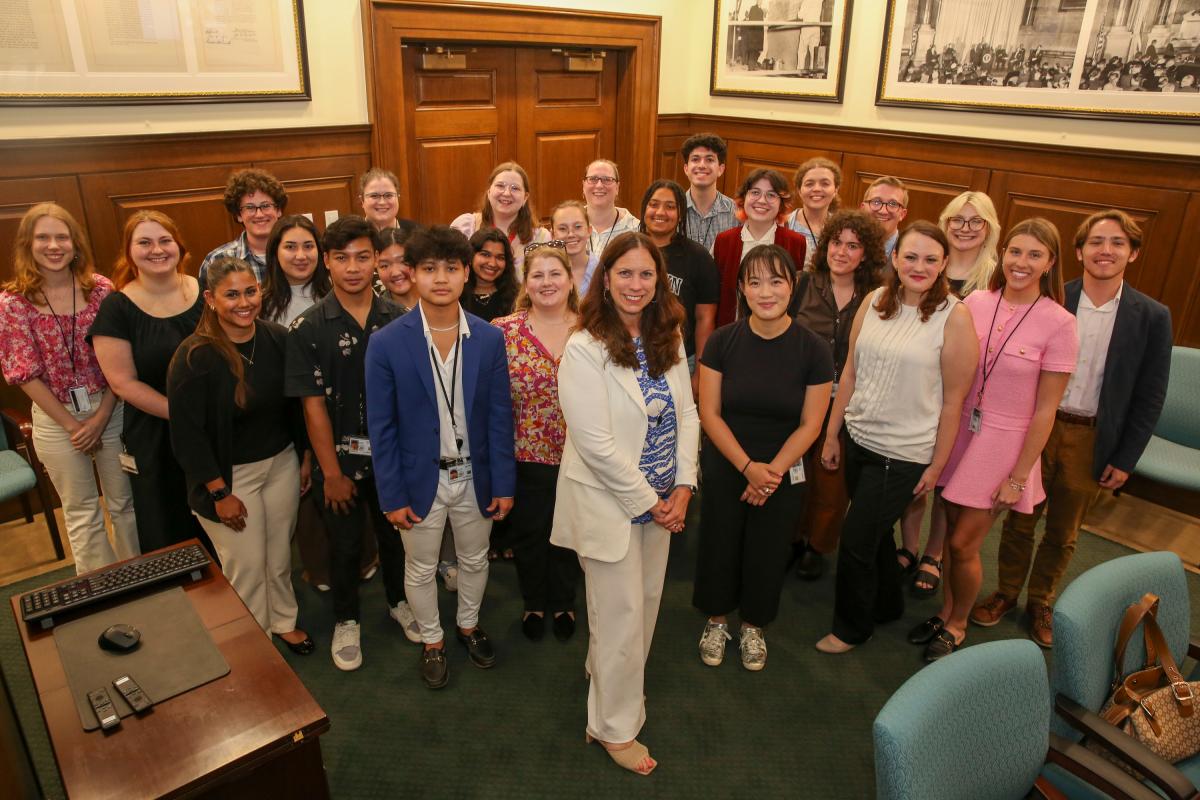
(217, 495)
(749, 461)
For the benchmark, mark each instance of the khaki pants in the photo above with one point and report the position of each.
(257, 560)
(1070, 492)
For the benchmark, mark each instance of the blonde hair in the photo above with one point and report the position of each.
(985, 262)
(524, 302)
(27, 277)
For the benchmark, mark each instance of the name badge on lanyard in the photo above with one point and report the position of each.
(460, 473)
(81, 402)
(359, 445)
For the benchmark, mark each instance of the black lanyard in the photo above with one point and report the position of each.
(987, 371)
(437, 371)
(70, 343)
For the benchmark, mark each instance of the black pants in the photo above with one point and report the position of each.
(548, 574)
(743, 550)
(868, 589)
(345, 548)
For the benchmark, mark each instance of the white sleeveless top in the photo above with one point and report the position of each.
(897, 396)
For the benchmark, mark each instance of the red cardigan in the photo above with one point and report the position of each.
(727, 252)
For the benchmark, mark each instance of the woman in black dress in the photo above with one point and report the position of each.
(492, 284)
(136, 331)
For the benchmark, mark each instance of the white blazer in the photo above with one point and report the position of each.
(600, 488)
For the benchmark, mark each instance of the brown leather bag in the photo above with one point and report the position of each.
(1154, 704)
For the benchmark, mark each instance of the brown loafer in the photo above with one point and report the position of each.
(992, 610)
(1041, 624)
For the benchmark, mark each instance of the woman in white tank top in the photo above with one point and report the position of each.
(912, 357)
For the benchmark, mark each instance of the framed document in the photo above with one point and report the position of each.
(81, 52)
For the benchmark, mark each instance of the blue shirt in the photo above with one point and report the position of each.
(238, 248)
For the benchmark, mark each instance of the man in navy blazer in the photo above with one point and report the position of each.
(439, 416)
(1104, 421)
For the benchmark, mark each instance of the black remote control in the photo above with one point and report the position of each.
(106, 713)
(132, 693)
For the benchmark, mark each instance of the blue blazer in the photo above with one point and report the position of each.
(404, 424)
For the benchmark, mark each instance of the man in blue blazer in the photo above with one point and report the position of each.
(1104, 421)
(439, 416)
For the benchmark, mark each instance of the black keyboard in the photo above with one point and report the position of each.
(41, 605)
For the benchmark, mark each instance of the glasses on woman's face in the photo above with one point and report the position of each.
(759, 194)
(972, 224)
(592, 180)
(557, 244)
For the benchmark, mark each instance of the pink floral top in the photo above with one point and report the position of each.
(37, 345)
(538, 420)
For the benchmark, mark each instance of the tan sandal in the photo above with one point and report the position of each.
(629, 757)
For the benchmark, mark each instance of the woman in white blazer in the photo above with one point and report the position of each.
(628, 473)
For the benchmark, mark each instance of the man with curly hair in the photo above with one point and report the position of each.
(255, 200)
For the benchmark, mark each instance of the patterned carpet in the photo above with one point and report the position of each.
(800, 728)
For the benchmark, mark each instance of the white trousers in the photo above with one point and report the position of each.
(71, 473)
(258, 559)
(622, 605)
(422, 545)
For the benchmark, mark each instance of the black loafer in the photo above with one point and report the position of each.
(812, 565)
(300, 648)
(564, 626)
(534, 627)
(479, 649)
(435, 670)
(941, 645)
(923, 633)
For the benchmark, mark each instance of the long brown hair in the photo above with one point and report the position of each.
(27, 278)
(933, 299)
(524, 221)
(1042, 229)
(870, 236)
(524, 302)
(661, 319)
(210, 332)
(125, 270)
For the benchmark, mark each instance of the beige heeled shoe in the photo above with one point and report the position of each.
(631, 757)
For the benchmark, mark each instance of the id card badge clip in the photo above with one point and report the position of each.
(460, 473)
(796, 473)
(128, 462)
(80, 401)
(359, 445)
(976, 422)
(833, 393)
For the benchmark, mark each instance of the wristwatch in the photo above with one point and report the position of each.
(686, 486)
(217, 495)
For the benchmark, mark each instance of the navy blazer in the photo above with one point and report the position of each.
(1135, 377)
(405, 426)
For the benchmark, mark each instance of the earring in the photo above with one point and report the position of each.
(607, 297)
(212, 307)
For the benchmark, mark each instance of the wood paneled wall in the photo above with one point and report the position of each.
(1063, 184)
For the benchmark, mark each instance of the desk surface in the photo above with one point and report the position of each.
(256, 712)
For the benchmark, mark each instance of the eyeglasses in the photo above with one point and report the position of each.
(592, 180)
(250, 209)
(515, 188)
(972, 224)
(377, 196)
(557, 244)
(758, 194)
(891, 205)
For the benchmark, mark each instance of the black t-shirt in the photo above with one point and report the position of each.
(763, 381)
(260, 430)
(694, 280)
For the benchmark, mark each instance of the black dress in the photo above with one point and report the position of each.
(160, 498)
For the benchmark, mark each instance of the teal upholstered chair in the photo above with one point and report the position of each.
(1173, 454)
(1086, 618)
(977, 725)
(21, 475)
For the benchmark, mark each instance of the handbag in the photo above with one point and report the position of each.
(1154, 704)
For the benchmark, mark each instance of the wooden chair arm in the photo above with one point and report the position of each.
(17, 425)
(1194, 650)
(1096, 771)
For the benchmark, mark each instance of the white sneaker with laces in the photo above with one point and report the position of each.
(754, 648)
(403, 613)
(712, 643)
(449, 572)
(347, 655)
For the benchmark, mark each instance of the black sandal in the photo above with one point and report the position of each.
(911, 566)
(934, 579)
(941, 645)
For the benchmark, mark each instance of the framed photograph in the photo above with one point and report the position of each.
(108, 52)
(780, 48)
(1115, 59)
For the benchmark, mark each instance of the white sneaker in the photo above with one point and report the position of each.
(403, 613)
(712, 643)
(754, 648)
(347, 655)
(449, 572)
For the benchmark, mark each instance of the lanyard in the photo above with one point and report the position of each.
(69, 343)
(812, 235)
(987, 371)
(437, 371)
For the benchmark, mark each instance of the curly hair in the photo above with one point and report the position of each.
(706, 140)
(249, 181)
(523, 225)
(276, 291)
(1042, 229)
(933, 299)
(27, 277)
(660, 321)
(125, 270)
(779, 185)
(524, 302)
(821, 163)
(985, 262)
(869, 272)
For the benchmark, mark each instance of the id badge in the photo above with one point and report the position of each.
(796, 473)
(359, 445)
(460, 473)
(976, 420)
(80, 402)
(833, 393)
(128, 462)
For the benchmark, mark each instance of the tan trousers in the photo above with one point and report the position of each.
(622, 606)
(1070, 492)
(258, 559)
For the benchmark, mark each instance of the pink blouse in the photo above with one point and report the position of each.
(541, 430)
(37, 345)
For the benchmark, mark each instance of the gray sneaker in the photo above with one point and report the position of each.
(402, 612)
(347, 655)
(712, 643)
(754, 648)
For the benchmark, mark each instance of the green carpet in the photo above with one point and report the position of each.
(800, 728)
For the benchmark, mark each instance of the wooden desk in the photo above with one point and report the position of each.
(252, 733)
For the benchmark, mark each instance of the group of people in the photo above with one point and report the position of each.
(418, 389)
(988, 66)
(1159, 72)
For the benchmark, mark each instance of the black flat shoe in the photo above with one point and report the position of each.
(479, 648)
(300, 648)
(923, 633)
(534, 627)
(564, 626)
(435, 670)
(941, 645)
(812, 565)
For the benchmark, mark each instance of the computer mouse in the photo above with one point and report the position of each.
(120, 638)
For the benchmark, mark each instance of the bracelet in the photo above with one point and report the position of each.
(749, 461)
(1015, 486)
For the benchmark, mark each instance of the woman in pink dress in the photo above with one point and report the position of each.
(1027, 350)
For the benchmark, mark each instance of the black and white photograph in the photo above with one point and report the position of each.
(1047, 57)
(779, 48)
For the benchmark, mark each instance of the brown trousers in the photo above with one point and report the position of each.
(1070, 492)
(821, 522)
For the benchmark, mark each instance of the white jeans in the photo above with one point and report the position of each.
(257, 560)
(422, 545)
(71, 473)
(622, 605)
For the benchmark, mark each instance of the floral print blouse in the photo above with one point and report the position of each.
(538, 420)
(658, 454)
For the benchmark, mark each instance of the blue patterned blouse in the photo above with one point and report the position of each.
(658, 454)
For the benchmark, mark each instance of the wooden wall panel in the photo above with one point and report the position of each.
(1183, 277)
(558, 165)
(453, 173)
(745, 157)
(930, 186)
(19, 195)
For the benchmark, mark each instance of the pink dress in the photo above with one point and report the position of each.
(1045, 341)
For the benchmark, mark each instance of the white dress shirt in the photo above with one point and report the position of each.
(449, 374)
(1095, 326)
